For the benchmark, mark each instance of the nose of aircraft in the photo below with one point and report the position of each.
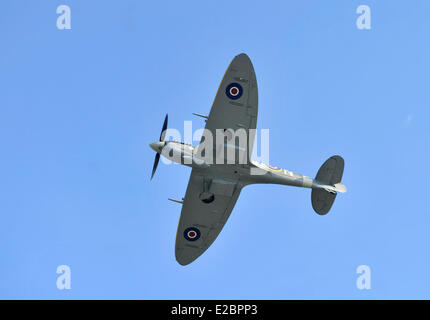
(157, 146)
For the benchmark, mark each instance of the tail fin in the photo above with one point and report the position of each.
(328, 184)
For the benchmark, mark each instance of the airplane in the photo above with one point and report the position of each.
(214, 187)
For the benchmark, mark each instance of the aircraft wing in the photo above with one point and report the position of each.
(200, 223)
(236, 102)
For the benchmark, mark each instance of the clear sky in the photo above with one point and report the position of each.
(79, 107)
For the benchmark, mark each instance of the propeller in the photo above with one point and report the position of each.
(157, 156)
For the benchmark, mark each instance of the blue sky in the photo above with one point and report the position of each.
(79, 107)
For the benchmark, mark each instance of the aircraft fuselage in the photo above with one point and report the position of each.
(252, 172)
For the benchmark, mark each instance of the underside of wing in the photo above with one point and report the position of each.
(207, 205)
(235, 107)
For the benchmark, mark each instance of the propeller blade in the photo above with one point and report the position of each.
(163, 131)
(157, 156)
(157, 159)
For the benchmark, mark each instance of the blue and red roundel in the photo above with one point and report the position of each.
(234, 91)
(192, 234)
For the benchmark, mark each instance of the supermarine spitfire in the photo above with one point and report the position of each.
(214, 187)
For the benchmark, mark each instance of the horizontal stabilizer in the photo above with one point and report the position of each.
(328, 184)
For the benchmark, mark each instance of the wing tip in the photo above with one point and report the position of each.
(243, 54)
(184, 256)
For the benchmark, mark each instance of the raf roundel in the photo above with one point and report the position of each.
(192, 234)
(234, 91)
